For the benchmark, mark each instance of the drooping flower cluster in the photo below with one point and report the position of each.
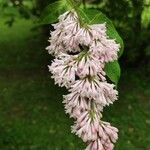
(81, 52)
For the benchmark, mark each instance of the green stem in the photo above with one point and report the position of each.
(75, 6)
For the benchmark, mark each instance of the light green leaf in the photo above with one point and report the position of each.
(113, 71)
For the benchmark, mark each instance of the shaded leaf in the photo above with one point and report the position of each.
(113, 71)
(51, 13)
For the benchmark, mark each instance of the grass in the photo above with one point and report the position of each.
(31, 113)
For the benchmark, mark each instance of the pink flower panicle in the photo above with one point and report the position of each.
(80, 56)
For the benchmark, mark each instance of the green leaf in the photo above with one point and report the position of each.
(147, 50)
(113, 71)
(93, 16)
(51, 13)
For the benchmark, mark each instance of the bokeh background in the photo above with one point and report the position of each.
(31, 111)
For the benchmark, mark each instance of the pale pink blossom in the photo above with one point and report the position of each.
(99, 135)
(69, 15)
(87, 125)
(56, 46)
(63, 70)
(74, 103)
(101, 92)
(84, 36)
(98, 31)
(106, 49)
(90, 65)
(63, 37)
(95, 145)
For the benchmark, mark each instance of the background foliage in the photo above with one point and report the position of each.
(31, 113)
(130, 17)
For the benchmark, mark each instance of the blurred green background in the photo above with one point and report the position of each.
(31, 113)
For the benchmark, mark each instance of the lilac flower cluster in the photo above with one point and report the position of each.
(81, 52)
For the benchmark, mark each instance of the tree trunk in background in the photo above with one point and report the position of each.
(137, 38)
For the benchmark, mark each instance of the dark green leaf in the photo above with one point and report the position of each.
(113, 71)
(51, 13)
(147, 50)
